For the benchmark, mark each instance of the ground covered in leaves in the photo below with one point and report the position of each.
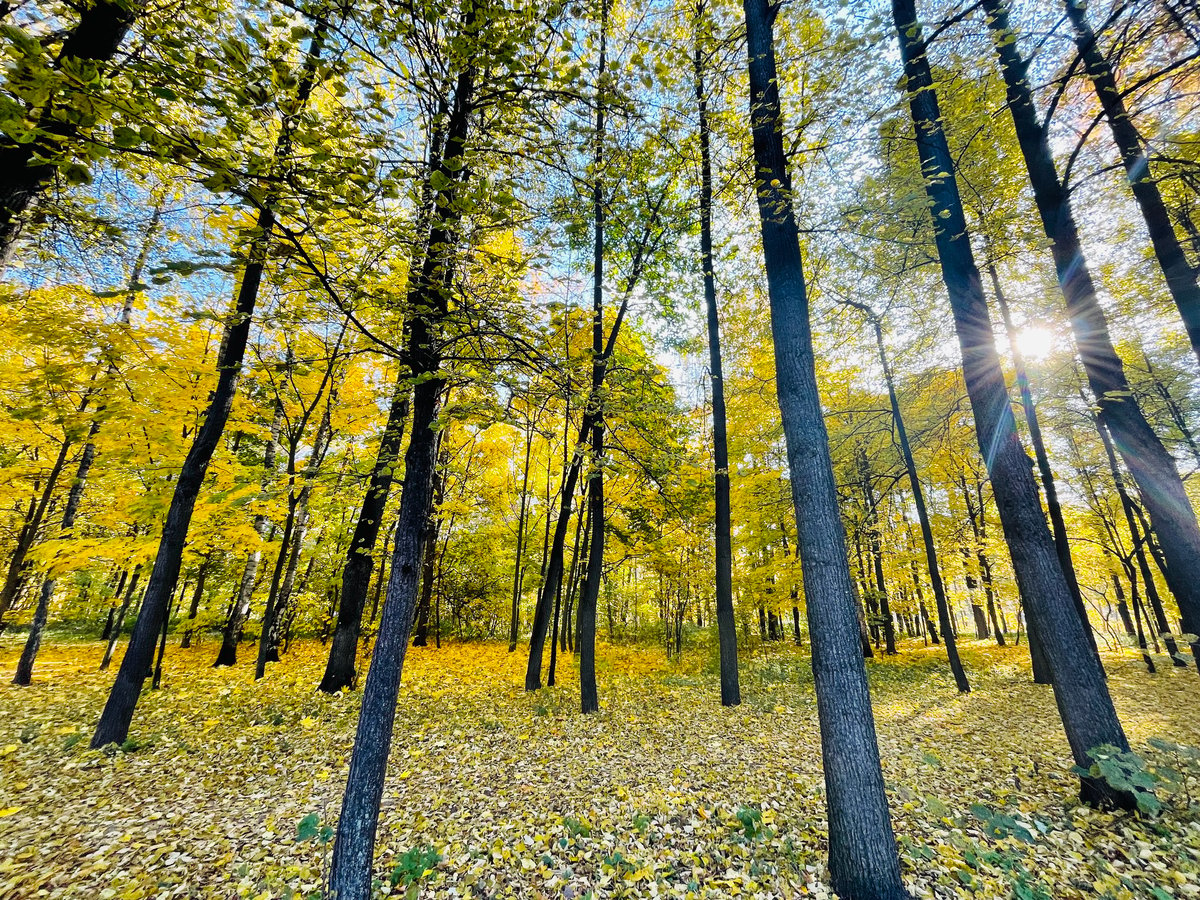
(228, 787)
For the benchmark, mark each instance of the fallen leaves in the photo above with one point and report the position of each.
(498, 793)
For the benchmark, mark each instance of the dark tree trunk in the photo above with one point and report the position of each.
(1137, 539)
(27, 536)
(1139, 612)
(114, 723)
(1179, 273)
(1122, 606)
(918, 492)
(978, 517)
(550, 672)
(156, 680)
(514, 625)
(726, 623)
(231, 632)
(197, 599)
(1089, 718)
(588, 695)
(863, 861)
(354, 844)
(429, 561)
(881, 592)
(27, 168)
(1151, 466)
(1058, 525)
(340, 671)
(114, 635)
(239, 611)
(41, 614)
(292, 543)
(553, 572)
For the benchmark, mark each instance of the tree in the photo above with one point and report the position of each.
(863, 862)
(726, 625)
(1152, 467)
(114, 723)
(1084, 704)
(1179, 273)
(55, 105)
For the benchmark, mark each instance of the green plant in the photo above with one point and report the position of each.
(1000, 825)
(310, 829)
(1124, 770)
(575, 828)
(415, 865)
(751, 821)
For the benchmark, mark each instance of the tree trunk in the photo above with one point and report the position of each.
(514, 626)
(589, 698)
(197, 598)
(118, 625)
(863, 861)
(1122, 606)
(27, 537)
(354, 845)
(292, 541)
(114, 723)
(918, 492)
(978, 517)
(1058, 525)
(726, 623)
(28, 168)
(231, 633)
(1151, 466)
(340, 671)
(881, 592)
(1089, 718)
(1179, 273)
(1137, 540)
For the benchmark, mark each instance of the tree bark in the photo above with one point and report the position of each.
(354, 844)
(918, 492)
(514, 625)
(340, 670)
(1179, 273)
(863, 861)
(1151, 466)
(726, 623)
(1137, 540)
(119, 624)
(589, 698)
(1089, 718)
(197, 598)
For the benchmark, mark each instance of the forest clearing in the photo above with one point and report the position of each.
(664, 793)
(596, 448)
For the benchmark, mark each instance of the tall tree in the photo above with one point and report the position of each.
(589, 699)
(726, 623)
(1180, 274)
(341, 668)
(354, 844)
(1151, 466)
(114, 723)
(1088, 716)
(918, 492)
(863, 862)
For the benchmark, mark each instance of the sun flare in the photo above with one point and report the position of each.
(1035, 342)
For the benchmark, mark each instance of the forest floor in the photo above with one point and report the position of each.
(662, 794)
